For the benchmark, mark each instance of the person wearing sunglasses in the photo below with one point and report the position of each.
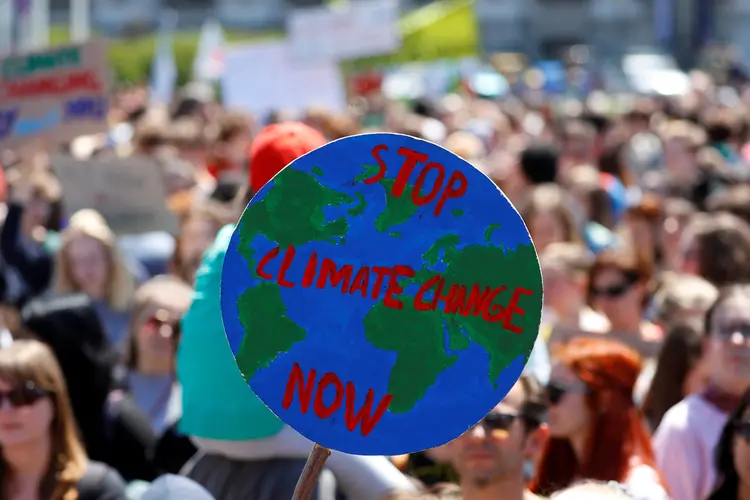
(733, 456)
(685, 440)
(491, 457)
(596, 431)
(40, 453)
(619, 287)
(151, 348)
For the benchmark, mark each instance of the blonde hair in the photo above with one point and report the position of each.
(91, 224)
(593, 490)
(32, 361)
(574, 259)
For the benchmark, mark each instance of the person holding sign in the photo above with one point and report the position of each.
(233, 429)
(402, 289)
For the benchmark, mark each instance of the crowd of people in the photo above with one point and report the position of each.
(116, 379)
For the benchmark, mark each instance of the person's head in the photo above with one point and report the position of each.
(497, 447)
(732, 457)
(45, 193)
(440, 491)
(548, 217)
(154, 333)
(595, 428)
(276, 146)
(682, 141)
(619, 285)
(198, 228)
(642, 220)
(89, 261)
(683, 298)
(565, 269)
(232, 140)
(613, 161)
(34, 410)
(735, 200)
(578, 141)
(539, 162)
(727, 340)
(717, 248)
(679, 372)
(676, 214)
(585, 185)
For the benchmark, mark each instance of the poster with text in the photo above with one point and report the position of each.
(54, 95)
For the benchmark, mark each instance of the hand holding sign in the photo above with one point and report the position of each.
(381, 295)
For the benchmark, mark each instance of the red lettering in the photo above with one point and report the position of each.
(310, 269)
(297, 378)
(438, 294)
(381, 273)
(419, 303)
(490, 312)
(448, 299)
(361, 281)
(321, 410)
(328, 271)
(416, 193)
(456, 300)
(456, 188)
(265, 260)
(363, 415)
(477, 300)
(514, 309)
(288, 259)
(53, 85)
(412, 158)
(376, 154)
(394, 288)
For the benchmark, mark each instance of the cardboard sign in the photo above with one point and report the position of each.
(381, 295)
(128, 192)
(356, 29)
(55, 95)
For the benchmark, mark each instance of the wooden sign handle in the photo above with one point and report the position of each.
(310, 474)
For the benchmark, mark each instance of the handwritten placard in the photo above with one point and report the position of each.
(381, 295)
(55, 95)
(128, 192)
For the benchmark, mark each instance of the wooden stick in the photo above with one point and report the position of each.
(309, 477)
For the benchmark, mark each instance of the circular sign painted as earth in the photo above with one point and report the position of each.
(381, 295)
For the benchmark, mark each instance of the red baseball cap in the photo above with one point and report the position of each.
(276, 146)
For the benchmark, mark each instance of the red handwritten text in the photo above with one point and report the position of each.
(307, 393)
(76, 81)
(454, 188)
(371, 281)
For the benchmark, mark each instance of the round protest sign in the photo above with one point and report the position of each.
(381, 295)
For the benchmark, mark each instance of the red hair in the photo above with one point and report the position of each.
(618, 434)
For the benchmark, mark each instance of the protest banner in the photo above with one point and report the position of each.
(128, 192)
(54, 95)
(381, 295)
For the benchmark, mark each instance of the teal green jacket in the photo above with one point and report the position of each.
(216, 401)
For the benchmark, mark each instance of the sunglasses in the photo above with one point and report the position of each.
(497, 421)
(556, 391)
(742, 429)
(726, 331)
(613, 291)
(25, 394)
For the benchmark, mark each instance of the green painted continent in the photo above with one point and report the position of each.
(421, 344)
(290, 214)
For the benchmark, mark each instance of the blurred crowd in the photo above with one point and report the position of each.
(116, 379)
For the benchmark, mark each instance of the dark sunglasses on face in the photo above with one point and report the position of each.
(612, 291)
(555, 391)
(742, 429)
(499, 421)
(24, 394)
(726, 331)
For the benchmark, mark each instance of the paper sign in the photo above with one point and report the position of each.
(264, 77)
(55, 95)
(349, 31)
(128, 192)
(381, 295)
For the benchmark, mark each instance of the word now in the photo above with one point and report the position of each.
(77, 81)
(351, 418)
(17, 67)
(479, 301)
(455, 187)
